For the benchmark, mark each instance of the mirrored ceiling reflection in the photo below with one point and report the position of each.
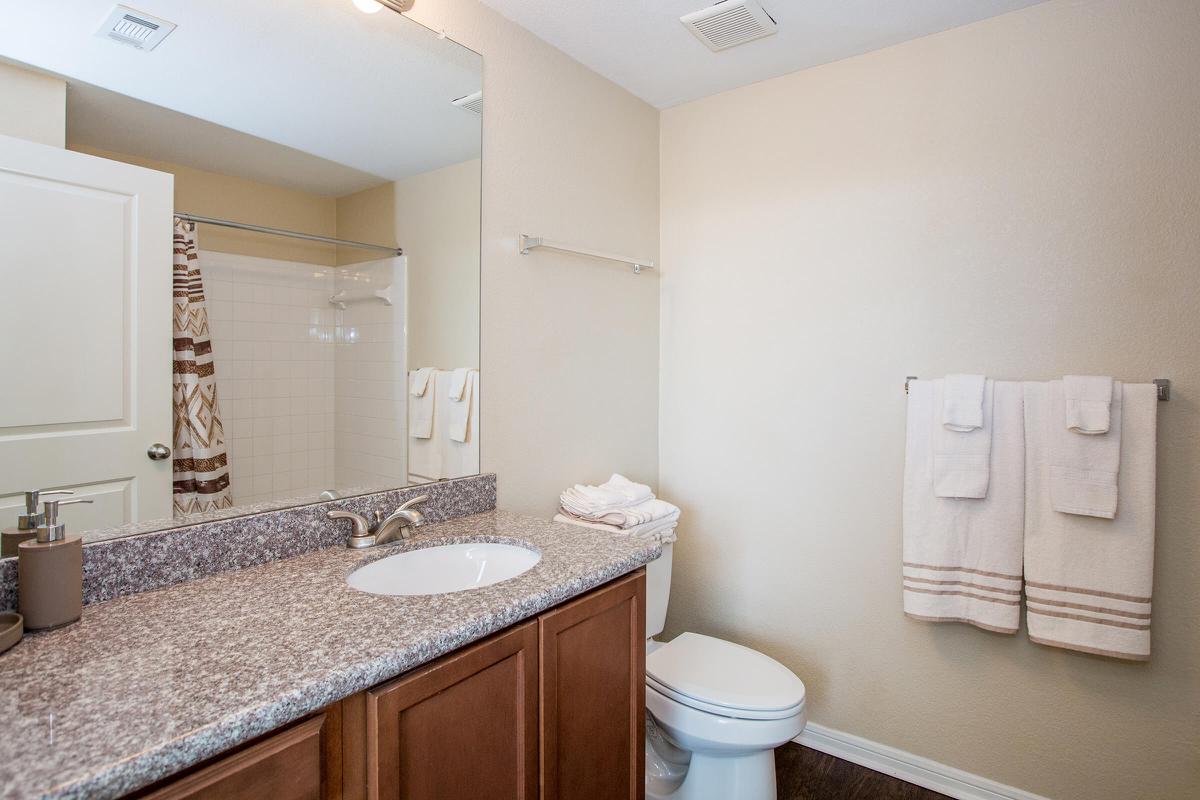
(314, 266)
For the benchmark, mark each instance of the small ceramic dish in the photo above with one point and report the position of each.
(12, 628)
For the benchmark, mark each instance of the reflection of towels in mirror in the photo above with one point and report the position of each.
(451, 449)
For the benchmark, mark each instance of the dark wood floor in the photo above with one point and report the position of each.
(805, 774)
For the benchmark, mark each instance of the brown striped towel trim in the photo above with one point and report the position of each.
(963, 583)
(976, 623)
(1111, 595)
(963, 594)
(964, 569)
(1082, 607)
(1096, 651)
(1135, 626)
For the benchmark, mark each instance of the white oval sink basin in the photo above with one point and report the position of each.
(442, 569)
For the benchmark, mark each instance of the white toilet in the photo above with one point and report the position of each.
(715, 710)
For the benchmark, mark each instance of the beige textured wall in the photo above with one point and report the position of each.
(368, 216)
(570, 347)
(1019, 197)
(437, 220)
(33, 106)
(210, 194)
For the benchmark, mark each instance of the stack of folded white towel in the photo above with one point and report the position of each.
(619, 506)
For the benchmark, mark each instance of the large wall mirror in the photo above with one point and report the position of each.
(239, 256)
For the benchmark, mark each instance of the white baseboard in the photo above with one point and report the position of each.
(908, 767)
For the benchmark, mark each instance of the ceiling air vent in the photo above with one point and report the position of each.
(472, 102)
(135, 28)
(729, 23)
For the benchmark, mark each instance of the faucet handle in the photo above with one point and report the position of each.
(416, 516)
(413, 502)
(361, 526)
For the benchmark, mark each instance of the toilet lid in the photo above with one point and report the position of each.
(719, 673)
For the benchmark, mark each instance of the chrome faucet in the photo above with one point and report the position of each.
(397, 524)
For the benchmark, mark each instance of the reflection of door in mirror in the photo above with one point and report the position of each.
(325, 334)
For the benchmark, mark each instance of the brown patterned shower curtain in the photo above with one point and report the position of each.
(200, 463)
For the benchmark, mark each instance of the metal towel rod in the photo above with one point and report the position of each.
(525, 243)
(1161, 385)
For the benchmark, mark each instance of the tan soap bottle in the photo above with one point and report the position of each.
(50, 572)
(27, 523)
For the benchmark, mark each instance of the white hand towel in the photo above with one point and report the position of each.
(962, 558)
(661, 531)
(419, 381)
(1084, 467)
(458, 383)
(962, 458)
(617, 492)
(962, 402)
(1088, 402)
(460, 410)
(652, 510)
(1088, 581)
(421, 404)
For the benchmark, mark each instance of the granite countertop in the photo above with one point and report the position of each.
(149, 684)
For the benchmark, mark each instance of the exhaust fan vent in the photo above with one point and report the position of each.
(729, 23)
(132, 27)
(470, 102)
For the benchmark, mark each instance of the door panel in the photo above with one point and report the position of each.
(462, 728)
(86, 331)
(593, 695)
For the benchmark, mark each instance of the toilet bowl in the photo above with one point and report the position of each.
(715, 710)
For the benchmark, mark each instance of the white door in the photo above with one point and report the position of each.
(85, 333)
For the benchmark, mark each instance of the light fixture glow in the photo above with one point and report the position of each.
(368, 6)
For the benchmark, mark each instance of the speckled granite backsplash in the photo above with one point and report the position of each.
(113, 567)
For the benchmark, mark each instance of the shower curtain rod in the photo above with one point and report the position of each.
(312, 237)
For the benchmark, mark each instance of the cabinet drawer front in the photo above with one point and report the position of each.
(593, 695)
(462, 728)
(286, 766)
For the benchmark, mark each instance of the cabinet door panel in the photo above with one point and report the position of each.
(462, 728)
(286, 766)
(593, 656)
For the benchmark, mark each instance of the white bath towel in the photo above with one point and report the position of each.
(1088, 581)
(421, 404)
(962, 558)
(661, 531)
(961, 456)
(1083, 467)
(962, 402)
(458, 382)
(1088, 403)
(460, 410)
(617, 492)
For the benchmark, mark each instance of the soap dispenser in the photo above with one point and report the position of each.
(27, 523)
(50, 572)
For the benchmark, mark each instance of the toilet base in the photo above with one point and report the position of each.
(749, 776)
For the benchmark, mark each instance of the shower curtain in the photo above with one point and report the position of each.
(200, 463)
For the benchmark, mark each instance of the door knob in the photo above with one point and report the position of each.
(158, 452)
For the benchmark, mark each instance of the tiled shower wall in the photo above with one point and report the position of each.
(273, 331)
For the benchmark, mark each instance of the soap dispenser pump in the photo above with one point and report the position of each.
(27, 523)
(50, 572)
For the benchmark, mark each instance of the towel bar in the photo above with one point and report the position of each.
(1161, 385)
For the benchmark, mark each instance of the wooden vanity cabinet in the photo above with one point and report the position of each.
(551, 708)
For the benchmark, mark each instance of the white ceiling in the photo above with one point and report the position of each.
(371, 92)
(642, 46)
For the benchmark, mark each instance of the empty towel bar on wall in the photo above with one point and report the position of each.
(1161, 385)
(525, 243)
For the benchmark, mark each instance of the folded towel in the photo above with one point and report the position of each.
(661, 531)
(1088, 581)
(458, 383)
(962, 558)
(617, 492)
(1088, 400)
(962, 458)
(962, 402)
(1083, 467)
(421, 404)
(651, 510)
(419, 381)
(460, 409)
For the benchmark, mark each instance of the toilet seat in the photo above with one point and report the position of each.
(723, 678)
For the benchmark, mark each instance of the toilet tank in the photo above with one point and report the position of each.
(658, 591)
